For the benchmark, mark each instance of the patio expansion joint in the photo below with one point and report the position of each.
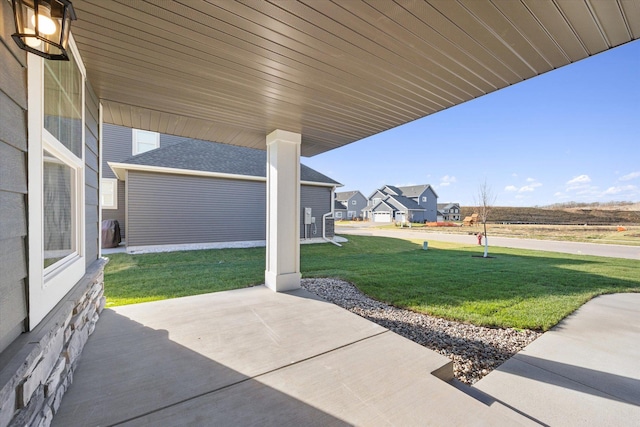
(255, 377)
(573, 380)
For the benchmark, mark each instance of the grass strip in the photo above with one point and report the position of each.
(517, 288)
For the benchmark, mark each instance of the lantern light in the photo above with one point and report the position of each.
(42, 27)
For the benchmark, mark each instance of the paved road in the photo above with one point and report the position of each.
(596, 249)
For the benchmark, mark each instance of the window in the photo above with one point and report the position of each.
(424, 198)
(144, 141)
(109, 192)
(353, 202)
(56, 180)
(338, 214)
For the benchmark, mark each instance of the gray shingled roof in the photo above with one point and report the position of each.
(405, 202)
(393, 188)
(345, 195)
(443, 206)
(413, 190)
(215, 157)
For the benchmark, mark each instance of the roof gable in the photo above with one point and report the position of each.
(383, 203)
(406, 203)
(415, 190)
(391, 190)
(346, 195)
(379, 193)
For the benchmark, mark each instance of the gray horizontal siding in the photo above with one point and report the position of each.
(319, 200)
(13, 182)
(166, 209)
(175, 209)
(116, 146)
(92, 174)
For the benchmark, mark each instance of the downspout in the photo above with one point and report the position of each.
(324, 220)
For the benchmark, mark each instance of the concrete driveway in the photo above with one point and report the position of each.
(578, 248)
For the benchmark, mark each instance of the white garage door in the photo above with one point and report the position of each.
(381, 217)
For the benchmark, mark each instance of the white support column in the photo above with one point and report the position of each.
(283, 211)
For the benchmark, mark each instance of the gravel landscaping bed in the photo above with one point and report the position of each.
(475, 350)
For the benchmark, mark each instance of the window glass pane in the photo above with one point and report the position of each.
(63, 103)
(109, 193)
(58, 209)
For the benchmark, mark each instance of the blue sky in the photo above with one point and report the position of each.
(572, 134)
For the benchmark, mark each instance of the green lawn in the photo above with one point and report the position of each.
(517, 288)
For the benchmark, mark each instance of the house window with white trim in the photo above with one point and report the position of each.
(56, 180)
(109, 193)
(338, 214)
(424, 198)
(144, 140)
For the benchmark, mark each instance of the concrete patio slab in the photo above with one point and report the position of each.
(255, 357)
(383, 380)
(585, 371)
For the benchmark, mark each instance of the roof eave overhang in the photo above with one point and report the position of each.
(120, 169)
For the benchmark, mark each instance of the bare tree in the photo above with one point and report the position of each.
(485, 201)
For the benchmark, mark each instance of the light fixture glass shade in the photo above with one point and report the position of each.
(42, 27)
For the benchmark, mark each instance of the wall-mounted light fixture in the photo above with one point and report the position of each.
(48, 34)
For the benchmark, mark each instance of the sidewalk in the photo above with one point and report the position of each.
(584, 372)
(577, 248)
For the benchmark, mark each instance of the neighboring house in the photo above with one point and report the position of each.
(339, 211)
(352, 202)
(416, 203)
(448, 212)
(191, 192)
(120, 143)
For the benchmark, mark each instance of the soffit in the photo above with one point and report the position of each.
(336, 72)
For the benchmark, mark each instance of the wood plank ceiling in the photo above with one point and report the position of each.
(335, 71)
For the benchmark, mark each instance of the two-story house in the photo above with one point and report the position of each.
(350, 204)
(448, 212)
(415, 203)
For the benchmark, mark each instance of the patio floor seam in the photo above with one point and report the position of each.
(248, 379)
(573, 380)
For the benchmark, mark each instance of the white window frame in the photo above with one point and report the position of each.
(47, 286)
(353, 202)
(135, 149)
(106, 184)
(338, 214)
(424, 198)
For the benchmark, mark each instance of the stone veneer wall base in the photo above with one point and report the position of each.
(37, 368)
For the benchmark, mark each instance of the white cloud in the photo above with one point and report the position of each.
(630, 176)
(447, 180)
(580, 179)
(530, 187)
(621, 189)
(525, 188)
